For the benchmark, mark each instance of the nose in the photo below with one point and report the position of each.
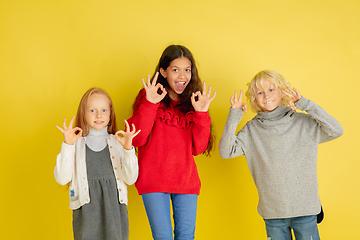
(98, 114)
(181, 74)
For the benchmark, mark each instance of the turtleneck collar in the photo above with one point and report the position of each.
(282, 113)
(96, 140)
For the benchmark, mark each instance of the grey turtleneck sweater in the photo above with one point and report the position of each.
(281, 151)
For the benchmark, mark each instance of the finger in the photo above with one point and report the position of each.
(241, 95)
(193, 99)
(61, 130)
(133, 127)
(64, 124)
(232, 100)
(214, 95)
(135, 134)
(155, 78)
(245, 108)
(292, 90)
(71, 122)
(144, 84)
(127, 126)
(297, 92)
(79, 130)
(204, 89)
(209, 91)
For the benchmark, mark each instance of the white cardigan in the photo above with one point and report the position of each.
(71, 167)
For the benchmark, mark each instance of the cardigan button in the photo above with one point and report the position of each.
(115, 168)
(112, 157)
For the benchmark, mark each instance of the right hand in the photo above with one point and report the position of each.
(237, 102)
(152, 89)
(70, 134)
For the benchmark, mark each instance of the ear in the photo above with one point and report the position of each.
(163, 73)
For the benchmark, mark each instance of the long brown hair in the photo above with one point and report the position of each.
(171, 53)
(80, 120)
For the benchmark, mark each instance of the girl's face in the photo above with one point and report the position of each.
(98, 111)
(178, 76)
(269, 97)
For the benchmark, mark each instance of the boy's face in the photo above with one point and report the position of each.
(269, 97)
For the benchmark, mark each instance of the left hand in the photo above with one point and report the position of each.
(203, 102)
(126, 139)
(294, 96)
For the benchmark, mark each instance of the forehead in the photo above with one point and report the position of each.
(180, 62)
(98, 99)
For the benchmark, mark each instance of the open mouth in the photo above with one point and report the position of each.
(180, 86)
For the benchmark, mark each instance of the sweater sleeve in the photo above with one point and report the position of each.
(129, 166)
(200, 132)
(143, 118)
(65, 160)
(230, 145)
(326, 125)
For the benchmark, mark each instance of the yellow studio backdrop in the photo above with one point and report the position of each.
(51, 52)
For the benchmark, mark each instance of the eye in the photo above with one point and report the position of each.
(260, 93)
(92, 110)
(271, 90)
(104, 110)
(188, 70)
(175, 70)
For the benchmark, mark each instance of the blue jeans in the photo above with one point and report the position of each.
(157, 206)
(305, 228)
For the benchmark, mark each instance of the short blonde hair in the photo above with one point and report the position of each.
(80, 120)
(257, 82)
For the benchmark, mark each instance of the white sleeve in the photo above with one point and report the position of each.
(65, 160)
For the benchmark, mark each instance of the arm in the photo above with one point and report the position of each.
(200, 132)
(65, 160)
(230, 146)
(129, 162)
(129, 166)
(327, 125)
(147, 103)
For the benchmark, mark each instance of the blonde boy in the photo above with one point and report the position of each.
(280, 146)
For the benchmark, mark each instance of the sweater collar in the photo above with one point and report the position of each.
(282, 114)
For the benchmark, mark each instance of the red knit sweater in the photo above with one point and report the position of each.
(166, 145)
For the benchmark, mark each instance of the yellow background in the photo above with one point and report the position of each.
(51, 52)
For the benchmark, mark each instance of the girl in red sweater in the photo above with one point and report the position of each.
(172, 113)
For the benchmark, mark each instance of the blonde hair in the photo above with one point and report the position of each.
(80, 120)
(257, 82)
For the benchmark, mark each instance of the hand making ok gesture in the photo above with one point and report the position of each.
(237, 102)
(203, 99)
(294, 96)
(70, 134)
(151, 89)
(127, 136)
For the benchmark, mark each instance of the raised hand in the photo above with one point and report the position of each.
(70, 134)
(237, 102)
(294, 96)
(203, 99)
(151, 89)
(126, 139)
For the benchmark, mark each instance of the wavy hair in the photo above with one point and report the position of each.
(80, 120)
(257, 82)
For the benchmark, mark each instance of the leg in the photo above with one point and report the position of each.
(278, 229)
(157, 206)
(305, 228)
(184, 209)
